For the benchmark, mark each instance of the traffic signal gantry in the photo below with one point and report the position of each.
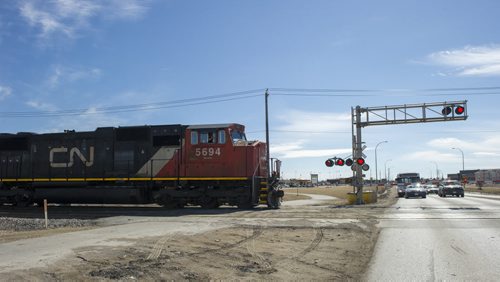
(398, 114)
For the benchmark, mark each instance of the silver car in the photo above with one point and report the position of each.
(415, 190)
(431, 189)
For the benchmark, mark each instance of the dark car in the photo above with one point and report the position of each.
(415, 190)
(401, 190)
(450, 187)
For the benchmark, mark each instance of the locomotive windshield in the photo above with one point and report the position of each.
(238, 136)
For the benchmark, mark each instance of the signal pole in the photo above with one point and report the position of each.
(357, 154)
(267, 141)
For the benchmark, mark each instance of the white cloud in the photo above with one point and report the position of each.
(41, 106)
(479, 153)
(430, 155)
(70, 17)
(126, 9)
(315, 121)
(308, 128)
(63, 74)
(4, 92)
(296, 150)
(489, 143)
(469, 61)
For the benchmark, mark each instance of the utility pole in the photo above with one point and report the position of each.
(463, 160)
(376, 167)
(357, 154)
(267, 140)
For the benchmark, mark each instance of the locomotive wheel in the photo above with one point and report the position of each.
(273, 200)
(23, 200)
(245, 205)
(209, 203)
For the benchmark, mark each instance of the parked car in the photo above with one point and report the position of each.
(431, 189)
(451, 187)
(415, 190)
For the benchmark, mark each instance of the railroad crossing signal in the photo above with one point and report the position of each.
(411, 113)
(459, 110)
(397, 114)
(348, 162)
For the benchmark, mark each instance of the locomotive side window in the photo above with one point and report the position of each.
(222, 137)
(194, 137)
(208, 137)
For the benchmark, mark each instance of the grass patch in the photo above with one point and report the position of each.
(334, 191)
(484, 190)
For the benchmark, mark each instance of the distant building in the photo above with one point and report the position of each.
(453, 176)
(314, 179)
(470, 174)
(488, 176)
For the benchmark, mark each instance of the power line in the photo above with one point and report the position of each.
(298, 92)
(140, 107)
(464, 131)
(487, 88)
(313, 94)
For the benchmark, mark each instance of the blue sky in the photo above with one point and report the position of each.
(88, 55)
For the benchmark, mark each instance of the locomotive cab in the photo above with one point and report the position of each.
(223, 150)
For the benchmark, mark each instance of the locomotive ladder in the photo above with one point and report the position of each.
(263, 193)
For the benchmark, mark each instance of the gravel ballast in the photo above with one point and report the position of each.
(27, 224)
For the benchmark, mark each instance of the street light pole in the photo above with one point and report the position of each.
(385, 169)
(376, 168)
(463, 161)
(437, 170)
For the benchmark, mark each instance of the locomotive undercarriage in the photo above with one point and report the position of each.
(170, 194)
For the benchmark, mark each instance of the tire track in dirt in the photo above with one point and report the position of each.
(250, 246)
(314, 243)
(157, 248)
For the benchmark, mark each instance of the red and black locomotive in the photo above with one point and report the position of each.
(172, 165)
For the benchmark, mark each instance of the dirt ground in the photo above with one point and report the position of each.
(310, 243)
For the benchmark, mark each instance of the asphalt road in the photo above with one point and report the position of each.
(438, 239)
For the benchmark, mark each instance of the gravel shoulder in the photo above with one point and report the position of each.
(293, 243)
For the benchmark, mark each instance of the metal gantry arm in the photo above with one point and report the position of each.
(413, 113)
(398, 114)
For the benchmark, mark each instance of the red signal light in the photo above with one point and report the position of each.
(329, 163)
(360, 161)
(459, 110)
(339, 162)
(348, 162)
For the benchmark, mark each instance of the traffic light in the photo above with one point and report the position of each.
(348, 162)
(360, 161)
(459, 110)
(339, 162)
(446, 111)
(329, 163)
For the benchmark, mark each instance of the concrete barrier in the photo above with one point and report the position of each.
(369, 197)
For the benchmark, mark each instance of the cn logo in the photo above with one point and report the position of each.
(74, 151)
